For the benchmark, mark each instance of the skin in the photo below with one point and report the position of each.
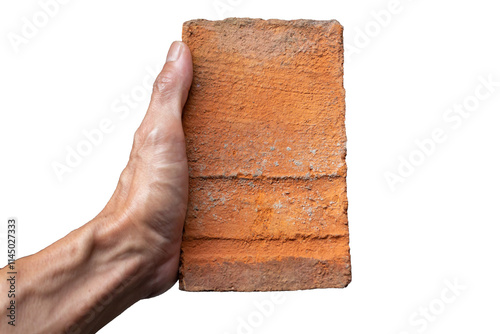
(130, 250)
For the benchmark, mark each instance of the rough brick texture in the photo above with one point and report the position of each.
(265, 136)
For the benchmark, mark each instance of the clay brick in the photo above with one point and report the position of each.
(265, 136)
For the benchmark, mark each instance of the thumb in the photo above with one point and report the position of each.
(162, 122)
(171, 87)
(160, 137)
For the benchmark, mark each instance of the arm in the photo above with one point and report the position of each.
(130, 251)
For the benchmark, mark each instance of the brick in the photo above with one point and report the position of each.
(266, 145)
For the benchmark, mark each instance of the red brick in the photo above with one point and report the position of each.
(265, 137)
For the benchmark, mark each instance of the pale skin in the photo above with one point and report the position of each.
(130, 250)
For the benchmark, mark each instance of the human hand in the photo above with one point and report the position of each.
(151, 198)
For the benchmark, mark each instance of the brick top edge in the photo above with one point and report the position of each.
(250, 21)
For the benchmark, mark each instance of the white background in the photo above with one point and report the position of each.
(440, 225)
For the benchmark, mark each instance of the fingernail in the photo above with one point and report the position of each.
(174, 52)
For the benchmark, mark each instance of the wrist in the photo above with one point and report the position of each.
(118, 248)
(136, 252)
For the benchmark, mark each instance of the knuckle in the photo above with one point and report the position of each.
(165, 83)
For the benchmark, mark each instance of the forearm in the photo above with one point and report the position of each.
(79, 283)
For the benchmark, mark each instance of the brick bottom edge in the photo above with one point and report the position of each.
(285, 274)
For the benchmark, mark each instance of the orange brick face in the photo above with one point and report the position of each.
(265, 136)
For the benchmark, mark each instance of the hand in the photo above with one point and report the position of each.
(151, 197)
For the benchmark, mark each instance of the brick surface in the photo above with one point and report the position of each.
(265, 136)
